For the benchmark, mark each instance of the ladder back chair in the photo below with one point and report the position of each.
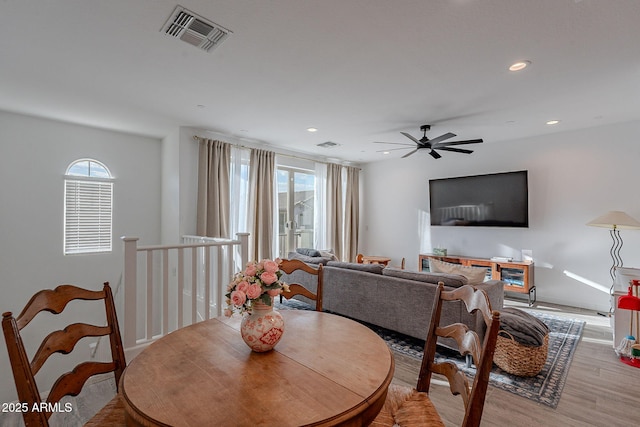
(63, 341)
(412, 407)
(291, 265)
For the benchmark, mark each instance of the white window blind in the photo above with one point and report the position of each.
(87, 216)
(87, 213)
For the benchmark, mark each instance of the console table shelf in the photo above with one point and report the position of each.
(517, 275)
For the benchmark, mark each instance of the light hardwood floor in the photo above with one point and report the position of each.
(599, 390)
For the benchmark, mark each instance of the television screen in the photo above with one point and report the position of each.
(493, 200)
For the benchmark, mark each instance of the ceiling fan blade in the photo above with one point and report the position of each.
(411, 138)
(456, 150)
(434, 154)
(392, 149)
(437, 139)
(393, 143)
(469, 141)
(409, 153)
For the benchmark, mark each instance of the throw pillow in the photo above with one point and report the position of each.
(369, 268)
(451, 280)
(474, 275)
(308, 251)
(328, 253)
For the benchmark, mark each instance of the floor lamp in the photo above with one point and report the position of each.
(614, 221)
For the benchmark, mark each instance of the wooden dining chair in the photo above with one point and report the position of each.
(291, 265)
(63, 341)
(405, 406)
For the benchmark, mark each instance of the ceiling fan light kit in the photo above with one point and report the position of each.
(519, 66)
(437, 143)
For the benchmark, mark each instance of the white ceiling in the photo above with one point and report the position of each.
(358, 70)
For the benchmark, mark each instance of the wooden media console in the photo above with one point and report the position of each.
(517, 275)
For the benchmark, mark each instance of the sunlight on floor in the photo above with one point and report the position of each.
(597, 341)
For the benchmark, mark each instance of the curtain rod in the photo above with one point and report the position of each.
(292, 156)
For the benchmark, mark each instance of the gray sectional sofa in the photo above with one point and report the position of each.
(395, 299)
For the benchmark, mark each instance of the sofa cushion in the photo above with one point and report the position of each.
(451, 280)
(308, 252)
(370, 268)
(474, 275)
(309, 259)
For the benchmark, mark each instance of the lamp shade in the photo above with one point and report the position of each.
(615, 219)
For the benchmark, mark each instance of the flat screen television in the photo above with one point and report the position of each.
(492, 200)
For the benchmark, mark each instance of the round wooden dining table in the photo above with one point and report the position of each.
(327, 370)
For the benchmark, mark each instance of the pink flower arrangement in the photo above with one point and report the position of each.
(258, 282)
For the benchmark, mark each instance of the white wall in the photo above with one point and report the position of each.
(188, 180)
(34, 155)
(573, 178)
(179, 184)
(171, 189)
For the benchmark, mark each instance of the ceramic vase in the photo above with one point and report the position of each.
(262, 328)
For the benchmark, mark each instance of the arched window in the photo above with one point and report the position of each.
(88, 205)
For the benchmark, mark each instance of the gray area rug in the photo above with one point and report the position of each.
(544, 388)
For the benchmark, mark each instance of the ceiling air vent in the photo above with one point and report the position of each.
(195, 30)
(327, 144)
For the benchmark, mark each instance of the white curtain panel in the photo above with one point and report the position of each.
(239, 190)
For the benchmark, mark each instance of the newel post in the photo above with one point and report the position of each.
(244, 248)
(130, 290)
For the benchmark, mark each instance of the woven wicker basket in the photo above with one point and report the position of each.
(519, 359)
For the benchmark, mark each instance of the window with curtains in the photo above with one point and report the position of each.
(88, 208)
(311, 207)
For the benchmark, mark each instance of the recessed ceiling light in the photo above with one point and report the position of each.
(553, 122)
(312, 129)
(385, 152)
(519, 66)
